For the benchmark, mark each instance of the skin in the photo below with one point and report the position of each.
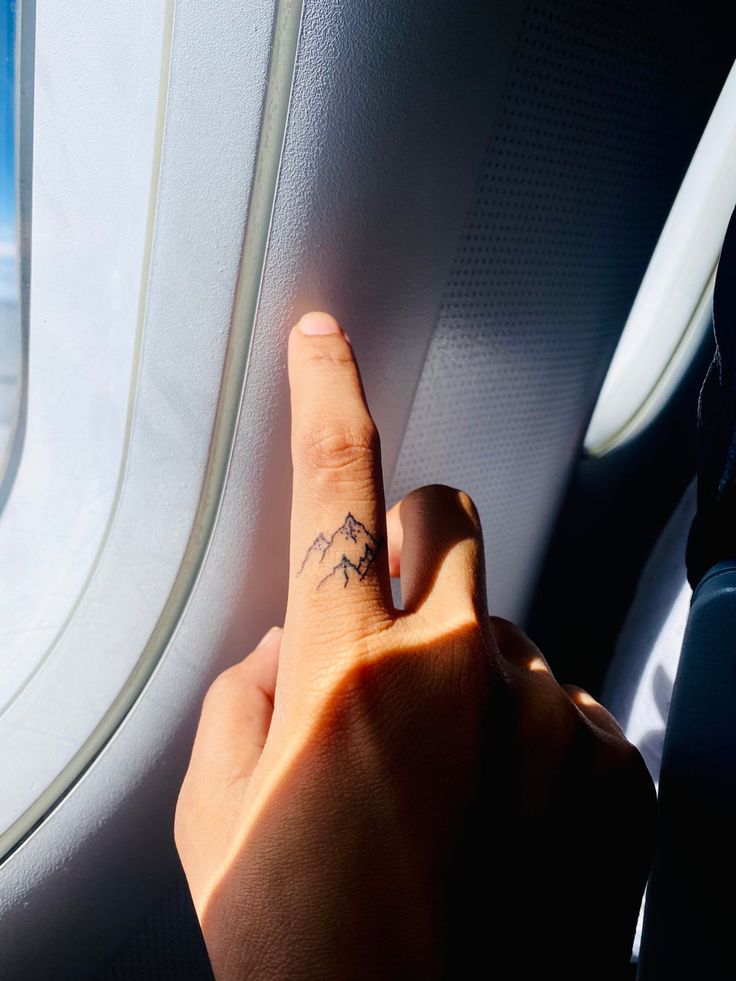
(376, 793)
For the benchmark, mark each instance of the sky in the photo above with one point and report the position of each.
(9, 323)
(8, 287)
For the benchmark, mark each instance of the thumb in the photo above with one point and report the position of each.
(237, 711)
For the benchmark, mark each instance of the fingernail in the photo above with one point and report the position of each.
(268, 634)
(317, 322)
(583, 698)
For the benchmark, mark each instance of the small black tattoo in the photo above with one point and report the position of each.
(355, 545)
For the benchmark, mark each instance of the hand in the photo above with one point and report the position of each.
(362, 771)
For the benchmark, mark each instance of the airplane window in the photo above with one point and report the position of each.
(94, 190)
(10, 323)
(671, 311)
(127, 433)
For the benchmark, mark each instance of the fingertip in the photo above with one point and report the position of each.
(259, 670)
(316, 336)
(270, 636)
(581, 697)
(395, 539)
(442, 553)
(318, 323)
(593, 711)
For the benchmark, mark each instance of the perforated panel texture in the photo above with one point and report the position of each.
(582, 165)
(166, 946)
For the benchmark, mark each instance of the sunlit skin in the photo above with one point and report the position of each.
(409, 794)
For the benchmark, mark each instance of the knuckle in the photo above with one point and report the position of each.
(341, 447)
(332, 355)
(361, 691)
(222, 686)
(469, 665)
(627, 758)
(449, 498)
(467, 503)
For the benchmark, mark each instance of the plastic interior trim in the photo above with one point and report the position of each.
(667, 320)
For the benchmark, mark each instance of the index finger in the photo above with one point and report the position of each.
(339, 559)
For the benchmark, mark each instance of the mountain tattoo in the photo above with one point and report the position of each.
(348, 552)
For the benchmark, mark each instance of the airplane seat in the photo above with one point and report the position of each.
(689, 910)
(672, 685)
(638, 685)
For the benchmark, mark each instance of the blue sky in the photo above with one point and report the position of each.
(7, 157)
